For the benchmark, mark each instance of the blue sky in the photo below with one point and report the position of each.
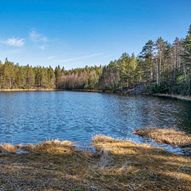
(75, 33)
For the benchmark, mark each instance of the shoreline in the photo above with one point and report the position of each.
(169, 96)
(30, 90)
(173, 96)
(84, 90)
(52, 90)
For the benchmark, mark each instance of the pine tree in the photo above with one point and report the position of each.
(147, 54)
(187, 58)
(58, 76)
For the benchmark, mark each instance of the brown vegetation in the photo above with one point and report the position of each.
(167, 136)
(7, 148)
(54, 146)
(116, 165)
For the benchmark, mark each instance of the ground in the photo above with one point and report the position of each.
(115, 165)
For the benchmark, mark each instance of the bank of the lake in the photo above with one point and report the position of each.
(178, 97)
(53, 89)
(30, 90)
(125, 93)
(115, 165)
(131, 93)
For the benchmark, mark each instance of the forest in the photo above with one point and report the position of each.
(161, 67)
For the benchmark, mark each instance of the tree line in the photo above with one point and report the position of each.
(161, 67)
(14, 76)
(25, 77)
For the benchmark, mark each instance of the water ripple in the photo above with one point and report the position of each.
(36, 116)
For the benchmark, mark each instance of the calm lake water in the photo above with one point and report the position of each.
(31, 117)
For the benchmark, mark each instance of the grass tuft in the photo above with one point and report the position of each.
(167, 136)
(51, 147)
(9, 148)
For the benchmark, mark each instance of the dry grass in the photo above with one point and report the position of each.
(116, 165)
(8, 148)
(54, 146)
(167, 136)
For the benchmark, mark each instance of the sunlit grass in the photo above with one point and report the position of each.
(167, 136)
(115, 165)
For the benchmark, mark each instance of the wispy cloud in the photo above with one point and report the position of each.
(37, 37)
(51, 57)
(79, 58)
(15, 42)
(42, 47)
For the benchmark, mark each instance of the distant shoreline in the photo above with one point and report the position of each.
(49, 89)
(52, 89)
(29, 90)
(172, 96)
(177, 97)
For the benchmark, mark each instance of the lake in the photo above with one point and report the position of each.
(32, 117)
